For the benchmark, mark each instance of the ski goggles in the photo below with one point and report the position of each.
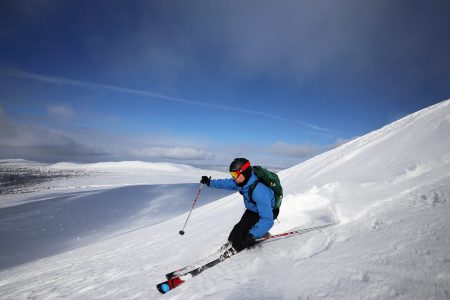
(235, 174)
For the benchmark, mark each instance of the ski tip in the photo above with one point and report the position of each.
(169, 285)
(163, 287)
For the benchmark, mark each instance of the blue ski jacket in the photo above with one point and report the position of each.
(262, 195)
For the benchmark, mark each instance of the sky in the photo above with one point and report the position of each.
(202, 82)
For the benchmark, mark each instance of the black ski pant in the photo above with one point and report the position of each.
(240, 230)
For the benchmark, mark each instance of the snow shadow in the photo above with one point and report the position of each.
(49, 226)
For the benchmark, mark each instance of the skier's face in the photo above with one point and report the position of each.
(240, 179)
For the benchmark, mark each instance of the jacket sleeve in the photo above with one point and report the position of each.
(226, 184)
(263, 198)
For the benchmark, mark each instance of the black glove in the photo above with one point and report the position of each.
(205, 180)
(250, 240)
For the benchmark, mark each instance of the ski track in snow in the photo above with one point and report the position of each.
(389, 190)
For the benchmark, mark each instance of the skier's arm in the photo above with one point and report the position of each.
(263, 197)
(226, 184)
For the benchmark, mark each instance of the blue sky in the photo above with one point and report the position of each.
(205, 81)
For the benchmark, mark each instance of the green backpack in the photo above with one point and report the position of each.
(271, 180)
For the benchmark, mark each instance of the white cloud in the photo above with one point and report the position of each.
(61, 111)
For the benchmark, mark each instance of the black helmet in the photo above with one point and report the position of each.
(241, 165)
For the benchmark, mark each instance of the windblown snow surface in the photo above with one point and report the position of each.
(389, 189)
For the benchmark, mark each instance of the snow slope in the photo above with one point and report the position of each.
(45, 210)
(389, 189)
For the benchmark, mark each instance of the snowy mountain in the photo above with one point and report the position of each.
(389, 189)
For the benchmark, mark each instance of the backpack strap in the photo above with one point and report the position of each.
(275, 211)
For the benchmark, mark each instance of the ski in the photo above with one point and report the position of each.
(183, 271)
(178, 277)
(174, 282)
(293, 233)
(186, 269)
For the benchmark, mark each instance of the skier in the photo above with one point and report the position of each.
(259, 215)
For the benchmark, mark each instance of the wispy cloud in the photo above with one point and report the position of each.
(120, 89)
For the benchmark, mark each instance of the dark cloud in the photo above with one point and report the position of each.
(40, 144)
(345, 46)
(296, 40)
(48, 145)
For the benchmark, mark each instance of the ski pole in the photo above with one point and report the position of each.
(181, 232)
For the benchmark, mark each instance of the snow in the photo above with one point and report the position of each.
(389, 189)
(63, 178)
